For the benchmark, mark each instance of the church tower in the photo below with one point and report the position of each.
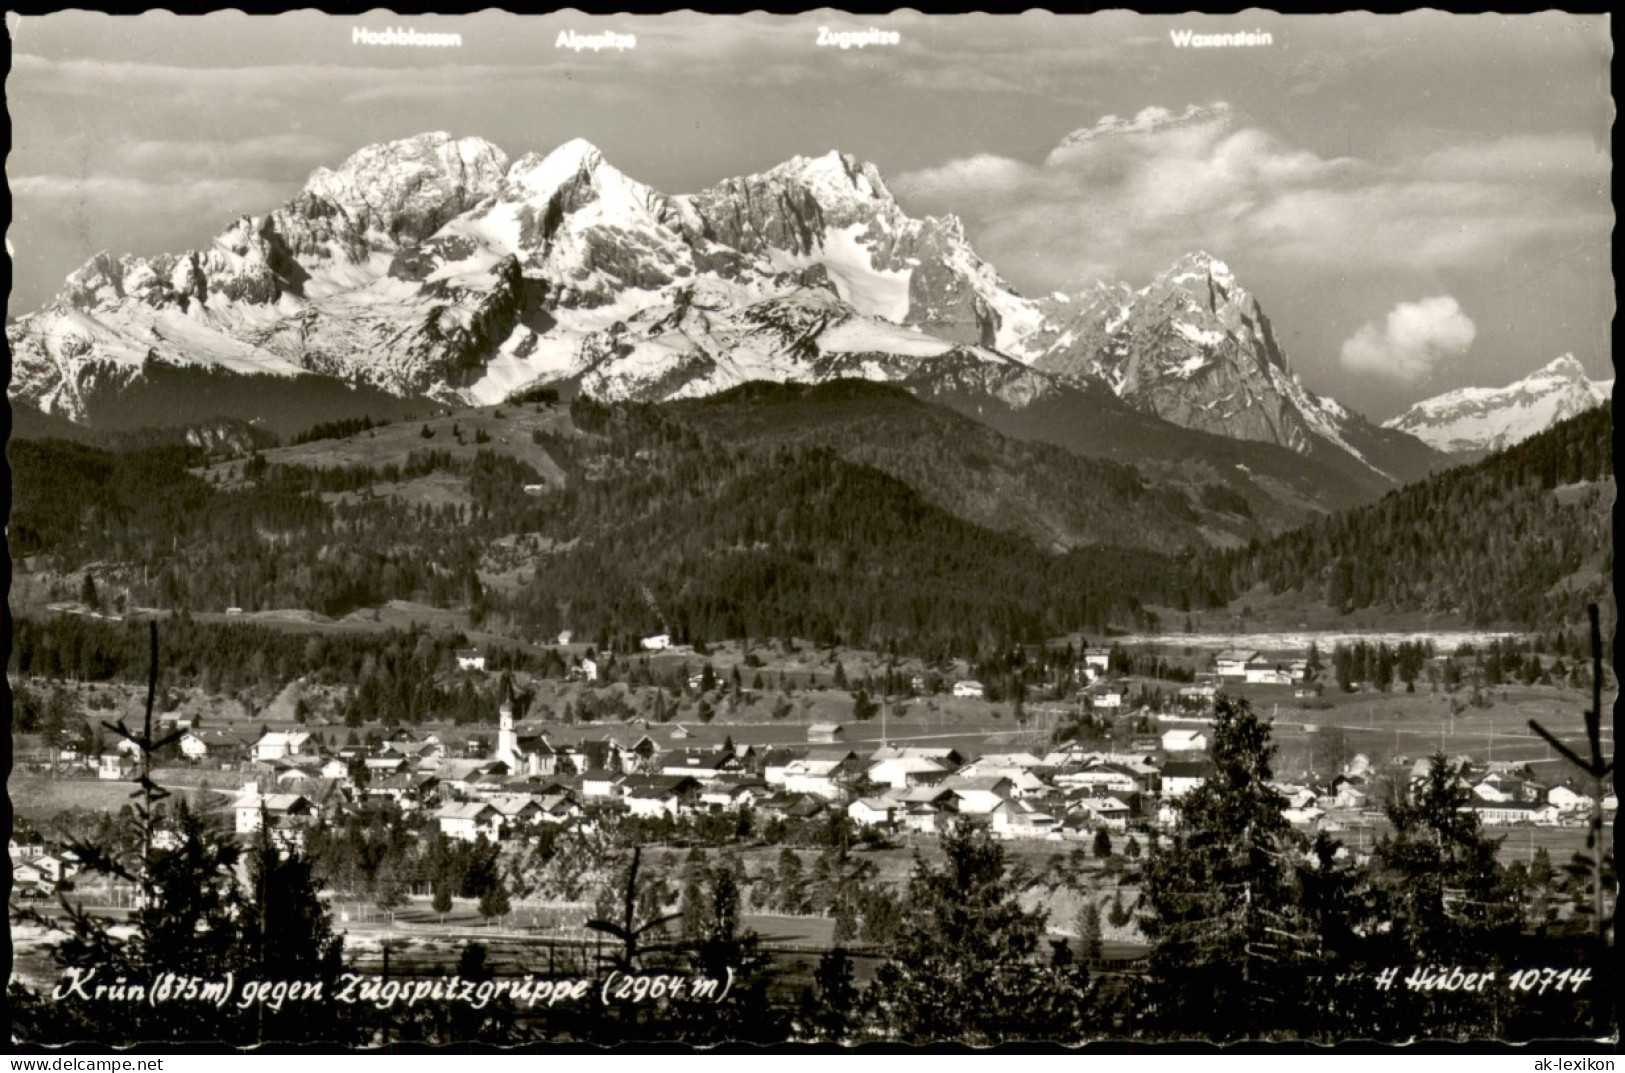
(507, 736)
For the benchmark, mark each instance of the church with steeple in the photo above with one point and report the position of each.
(530, 755)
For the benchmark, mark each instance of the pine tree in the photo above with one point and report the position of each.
(1217, 902)
(1089, 932)
(969, 963)
(441, 902)
(494, 903)
(829, 1008)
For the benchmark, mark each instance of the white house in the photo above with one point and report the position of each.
(25, 874)
(979, 796)
(1258, 672)
(1503, 813)
(1106, 812)
(251, 807)
(652, 795)
(1107, 697)
(871, 811)
(656, 642)
(1180, 777)
(589, 669)
(470, 659)
(1100, 776)
(824, 733)
(969, 688)
(193, 747)
(1232, 662)
(1017, 819)
(468, 821)
(1184, 741)
(820, 778)
(278, 745)
(901, 772)
(52, 868)
(115, 766)
(1097, 658)
(1568, 800)
(597, 784)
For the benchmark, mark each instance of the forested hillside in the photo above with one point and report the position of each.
(658, 525)
(1056, 498)
(677, 529)
(1524, 537)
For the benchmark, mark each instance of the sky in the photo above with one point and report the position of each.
(1418, 202)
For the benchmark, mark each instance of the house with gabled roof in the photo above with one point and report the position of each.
(874, 811)
(279, 745)
(823, 778)
(655, 795)
(733, 793)
(773, 762)
(1180, 777)
(1232, 662)
(252, 808)
(469, 821)
(1184, 740)
(517, 810)
(600, 785)
(1018, 819)
(702, 764)
(1108, 812)
(901, 772)
(979, 795)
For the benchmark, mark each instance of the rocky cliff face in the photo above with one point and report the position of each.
(1194, 348)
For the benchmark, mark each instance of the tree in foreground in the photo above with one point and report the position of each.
(195, 916)
(830, 1007)
(1227, 951)
(969, 964)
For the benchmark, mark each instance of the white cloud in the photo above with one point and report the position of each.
(218, 201)
(250, 156)
(1415, 337)
(1129, 195)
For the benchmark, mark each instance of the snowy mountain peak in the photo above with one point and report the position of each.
(1488, 419)
(423, 179)
(540, 175)
(835, 178)
(1199, 265)
(1565, 367)
(434, 265)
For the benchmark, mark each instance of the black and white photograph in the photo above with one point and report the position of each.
(695, 531)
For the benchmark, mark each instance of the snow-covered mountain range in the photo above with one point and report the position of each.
(436, 266)
(1476, 419)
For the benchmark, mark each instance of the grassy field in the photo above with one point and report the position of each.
(39, 798)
